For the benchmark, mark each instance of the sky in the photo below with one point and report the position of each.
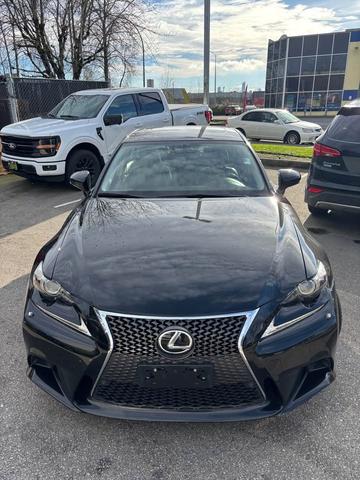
(240, 30)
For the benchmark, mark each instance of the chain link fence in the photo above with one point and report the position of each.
(23, 98)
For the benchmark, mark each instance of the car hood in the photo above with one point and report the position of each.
(179, 257)
(42, 127)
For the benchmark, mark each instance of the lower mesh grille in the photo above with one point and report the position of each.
(215, 344)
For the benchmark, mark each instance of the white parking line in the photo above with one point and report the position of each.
(67, 203)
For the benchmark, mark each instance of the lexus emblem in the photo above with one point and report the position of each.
(12, 146)
(174, 341)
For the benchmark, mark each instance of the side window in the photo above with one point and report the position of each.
(251, 117)
(268, 117)
(122, 105)
(150, 103)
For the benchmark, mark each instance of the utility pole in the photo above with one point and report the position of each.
(206, 50)
(143, 54)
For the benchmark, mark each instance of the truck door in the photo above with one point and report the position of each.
(152, 110)
(114, 133)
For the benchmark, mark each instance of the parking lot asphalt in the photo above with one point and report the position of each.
(41, 439)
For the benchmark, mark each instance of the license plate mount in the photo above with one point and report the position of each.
(13, 166)
(175, 376)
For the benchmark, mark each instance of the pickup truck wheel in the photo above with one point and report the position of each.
(83, 160)
(292, 138)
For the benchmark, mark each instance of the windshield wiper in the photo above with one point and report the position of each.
(70, 117)
(118, 195)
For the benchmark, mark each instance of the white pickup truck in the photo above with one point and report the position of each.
(85, 129)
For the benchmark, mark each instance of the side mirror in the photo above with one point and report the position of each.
(113, 119)
(82, 181)
(287, 178)
(278, 122)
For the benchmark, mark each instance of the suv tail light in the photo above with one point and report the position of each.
(323, 151)
(315, 189)
(208, 116)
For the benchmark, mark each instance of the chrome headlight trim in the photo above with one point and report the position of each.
(80, 328)
(272, 328)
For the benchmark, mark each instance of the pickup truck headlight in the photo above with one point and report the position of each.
(55, 301)
(301, 303)
(47, 147)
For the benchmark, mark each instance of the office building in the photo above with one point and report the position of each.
(313, 73)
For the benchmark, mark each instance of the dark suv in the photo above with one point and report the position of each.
(334, 177)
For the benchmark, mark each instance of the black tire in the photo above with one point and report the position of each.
(241, 131)
(292, 138)
(83, 160)
(316, 211)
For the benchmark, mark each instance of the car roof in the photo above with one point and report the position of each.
(114, 91)
(267, 109)
(188, 133)
(353, 104)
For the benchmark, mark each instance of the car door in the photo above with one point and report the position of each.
(152, 111)
(272, 127)
(114, 134)
(250, 123)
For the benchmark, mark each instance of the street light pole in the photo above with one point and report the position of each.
(214, 76)
(206, 50)
(143, 54)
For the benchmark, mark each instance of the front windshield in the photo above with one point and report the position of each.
(287, 117)
(194, 168)
(79, 106)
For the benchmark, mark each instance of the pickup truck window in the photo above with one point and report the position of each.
(150, 103)
(75, 107)
(123, 105)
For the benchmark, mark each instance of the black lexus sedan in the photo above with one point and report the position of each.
(334, 176)
(183, 287)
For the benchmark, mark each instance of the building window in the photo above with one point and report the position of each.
(308, 65)
(293, 66)
(267, 86)
(323, 64)
(280, 85)
(325, 44)
(283, 48)
(295, 46)
(318, 103)
(304, 101)
(273, 85)
(276, 50)
(275, 69)
(306, 84)
(341, 42)
(336, 82)
(281, 68)
(310, 45)
(333, 101)
(338, 63)
(272, 101)
(321, 82)
(270, 52)
(291, 101)
(278, 103)
(292, 84)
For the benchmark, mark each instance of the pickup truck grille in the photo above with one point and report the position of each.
(19, 146)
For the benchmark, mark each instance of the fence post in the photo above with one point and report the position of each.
(14, 112)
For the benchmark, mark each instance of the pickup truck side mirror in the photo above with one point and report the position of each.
(82, 181)
(287, 177)
(116, 119)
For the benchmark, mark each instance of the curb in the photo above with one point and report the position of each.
(299, 164)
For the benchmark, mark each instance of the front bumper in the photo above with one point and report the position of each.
(48, 169)
(310, 137)
(290, 367)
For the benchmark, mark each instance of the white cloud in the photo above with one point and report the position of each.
(239, 36)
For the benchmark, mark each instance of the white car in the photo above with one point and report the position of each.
(275, 124)
(86, 128)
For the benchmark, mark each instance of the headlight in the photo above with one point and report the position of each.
(308, 130)
(47, 146)
(46, 286)
(300, 303)
(308, 290)
(56, 302)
